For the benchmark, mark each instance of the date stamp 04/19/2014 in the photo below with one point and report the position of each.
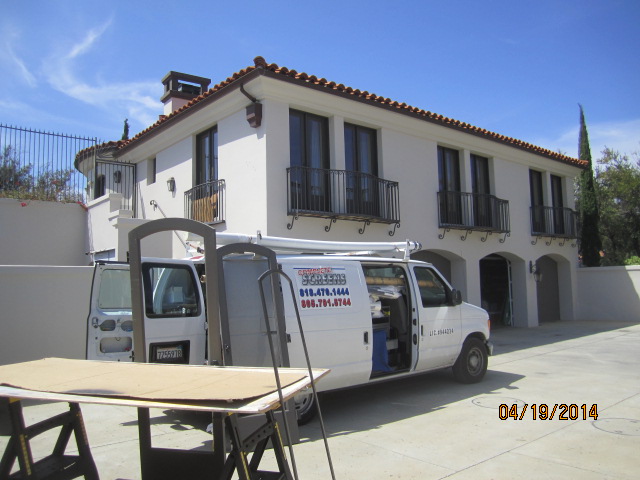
(543, 411)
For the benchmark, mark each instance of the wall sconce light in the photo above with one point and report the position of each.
(117, 176)
(171, 184)
(535, 270)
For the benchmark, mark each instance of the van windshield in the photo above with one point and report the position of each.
(115, 290)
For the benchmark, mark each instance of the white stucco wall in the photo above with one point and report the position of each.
(42, 233)
(609, 293)
(44, 312)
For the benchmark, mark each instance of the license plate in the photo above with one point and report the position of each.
(169, 353)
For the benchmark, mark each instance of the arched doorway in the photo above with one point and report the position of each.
(496, 290)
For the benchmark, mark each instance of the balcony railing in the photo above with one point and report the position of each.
(553, 222)
(342, 195)
(473, 211)
(205, 202)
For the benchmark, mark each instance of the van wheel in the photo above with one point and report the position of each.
(471, 364)
(306, 407)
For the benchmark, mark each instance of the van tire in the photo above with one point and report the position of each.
(306, 407)
(472, 362)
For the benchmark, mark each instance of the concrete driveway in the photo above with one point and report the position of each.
(430, 427)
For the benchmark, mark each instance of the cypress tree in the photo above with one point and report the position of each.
(590, 242)
(125, 130)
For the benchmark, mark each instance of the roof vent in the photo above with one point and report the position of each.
(180, 89)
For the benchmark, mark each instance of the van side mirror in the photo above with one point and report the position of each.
(456, 297)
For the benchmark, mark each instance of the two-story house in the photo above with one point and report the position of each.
(288, 154)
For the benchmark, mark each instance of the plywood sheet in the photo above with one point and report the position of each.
(174, 383)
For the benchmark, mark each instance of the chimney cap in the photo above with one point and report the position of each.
(183, 85)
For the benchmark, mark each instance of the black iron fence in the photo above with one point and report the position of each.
(553, 222)
(113, 177)
(37, 165)
(205, 202)
(342, 194)
(473, 211)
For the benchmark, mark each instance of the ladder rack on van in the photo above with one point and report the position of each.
(295, 245)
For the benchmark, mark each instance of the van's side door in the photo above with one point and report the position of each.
(109, 325)
(439, 320)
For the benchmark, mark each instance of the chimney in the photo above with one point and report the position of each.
(180, 89)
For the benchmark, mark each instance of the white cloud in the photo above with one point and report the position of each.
(137, 100)
(623, 136)
(7, 53)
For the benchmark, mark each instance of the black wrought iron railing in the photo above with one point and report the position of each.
(473, 211)
(117, 177)
(40, 165)
(205, 202)
(553, 222)
(342, 194)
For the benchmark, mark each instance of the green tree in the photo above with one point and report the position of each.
(17, 181)
(13, 176)
(590, 242)
(618, 187)
(125, 130)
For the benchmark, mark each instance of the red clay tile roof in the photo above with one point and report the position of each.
(261, 67)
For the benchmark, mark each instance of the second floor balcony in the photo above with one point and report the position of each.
(553, 222)
(205, 202)
(342, 195)
(473, 212)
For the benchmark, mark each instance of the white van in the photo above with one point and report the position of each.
(367, 318)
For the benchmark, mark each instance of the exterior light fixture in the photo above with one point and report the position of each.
(171, 184)
(117, 176)
(535, 270)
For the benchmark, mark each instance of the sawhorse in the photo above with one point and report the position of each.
(164, 463)
(56, 466)
(256, 442)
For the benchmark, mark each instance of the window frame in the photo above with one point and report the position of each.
(361, 166)
(309, 149)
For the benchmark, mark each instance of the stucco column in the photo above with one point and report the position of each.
(472, 293)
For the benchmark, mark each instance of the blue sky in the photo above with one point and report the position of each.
(519, 68)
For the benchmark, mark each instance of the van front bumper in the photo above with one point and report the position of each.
(489, 346)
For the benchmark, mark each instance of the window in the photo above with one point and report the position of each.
(361, 161)
(449, 183)
(207, 156)
(101, 185)
(204, 196)
(537, 201)
(170, 291)
(482, 211)
(309, 160)
(115, 290)
(433, 291)
(558, 205)
(151, 171)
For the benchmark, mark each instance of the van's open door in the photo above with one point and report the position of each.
(109, 325)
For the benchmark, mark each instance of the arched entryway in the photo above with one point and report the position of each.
(496, 289)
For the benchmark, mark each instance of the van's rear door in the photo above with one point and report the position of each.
(109, 325)
(174, 312)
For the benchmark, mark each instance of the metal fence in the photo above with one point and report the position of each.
(473, 211)
(553, 222)
(205, 202)
(342, 194)
(37, 165)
